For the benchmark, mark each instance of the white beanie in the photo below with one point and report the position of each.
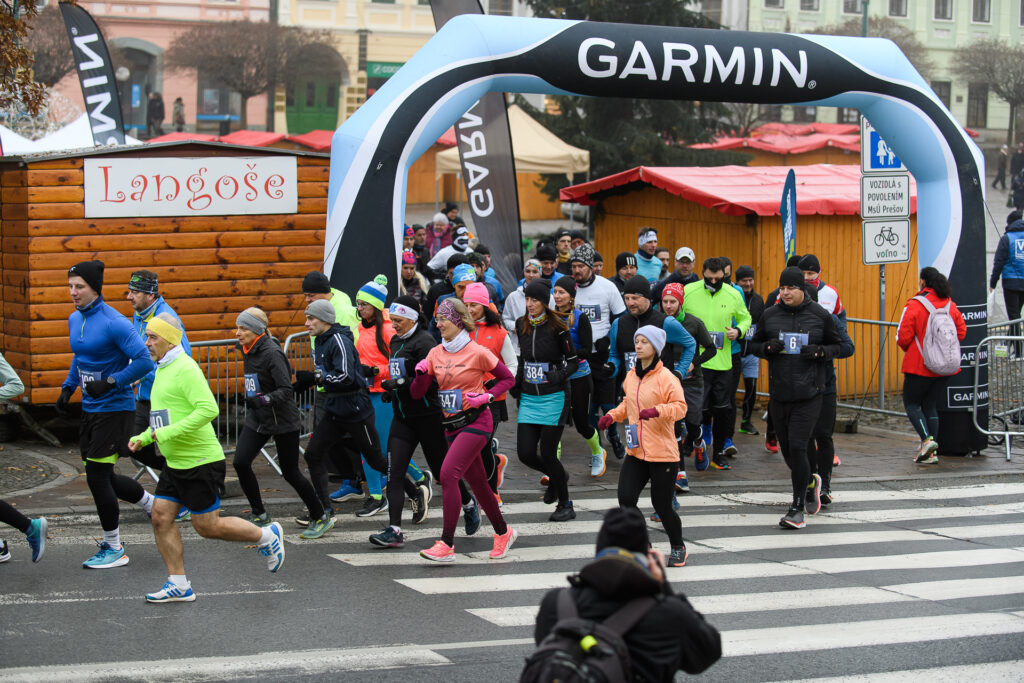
(440, 219)
(653, 334)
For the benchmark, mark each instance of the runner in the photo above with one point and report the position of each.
(653, 403)
(683, 274)
(460, 245)
(821, 450)
(183, 408)
(749, 363)
(798, 338)
(413, 283)
(581, 384)
(625, 268)
(549, 359)
(459, 365)
(647, 264)
(108, 358)
(515, 303)
(771, 443)
(34, 529)
(271, 411)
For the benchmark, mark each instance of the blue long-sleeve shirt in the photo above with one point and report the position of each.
(105, 345)
(674, 334)
(139, 321)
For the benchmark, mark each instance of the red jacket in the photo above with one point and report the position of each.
(912, 325)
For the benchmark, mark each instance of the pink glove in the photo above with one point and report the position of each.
(473, 400)
(605, 422)
(648, 413)
(422, 367)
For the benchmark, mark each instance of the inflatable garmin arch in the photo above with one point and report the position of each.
(472, 54)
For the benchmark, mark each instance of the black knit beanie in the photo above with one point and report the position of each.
(316, 282)
(791, 277)
(539, 289)
(568, 284)
(637, 284)
(743, 272)
(810, 262)
(625, 259)
(623, 528)
(91, 272)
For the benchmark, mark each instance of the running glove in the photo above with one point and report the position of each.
(257, 401)
(605, 422)
(774, 346)
(422, 367)
(648, 413)
(143, 439)
(555, 376)
(473, 400)
(97, 387)
(812, 351)
(370, 371)
(304, 379)
(62, 401)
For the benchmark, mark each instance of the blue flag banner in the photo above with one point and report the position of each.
(787, 212)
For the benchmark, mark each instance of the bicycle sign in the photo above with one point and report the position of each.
(885, 241)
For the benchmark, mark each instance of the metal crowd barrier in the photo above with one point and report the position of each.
(870, 379)
(1004, 355)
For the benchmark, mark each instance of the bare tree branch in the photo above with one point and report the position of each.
(998, 65)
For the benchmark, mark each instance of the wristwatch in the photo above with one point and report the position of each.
(112, 382)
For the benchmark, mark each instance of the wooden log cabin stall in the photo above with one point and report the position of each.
(225, 227)
(734, 211)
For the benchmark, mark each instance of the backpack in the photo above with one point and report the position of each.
(941, 349)
(580, 650)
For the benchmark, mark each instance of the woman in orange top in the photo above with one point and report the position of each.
(653, 402)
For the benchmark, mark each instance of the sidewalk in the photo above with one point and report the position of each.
(41, 479)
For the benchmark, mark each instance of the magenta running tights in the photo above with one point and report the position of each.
(463, 462)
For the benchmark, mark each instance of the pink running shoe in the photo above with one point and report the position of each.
(502, 543)
(440, 552)
(502, 464)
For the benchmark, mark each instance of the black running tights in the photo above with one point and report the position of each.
(538, 450)
(403, 438)
(633, 478)
(106, 487)
(248, 449)
(9, 515)
(794, 424)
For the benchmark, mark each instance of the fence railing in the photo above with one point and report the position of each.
(1004, 356)
(870, 379)
(221, 361)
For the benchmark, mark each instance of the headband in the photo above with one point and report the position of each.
(143, 284)
(403, 311)
(446, 309)
(164, 330)
(649, 236)
(250, 322)
(531, 262)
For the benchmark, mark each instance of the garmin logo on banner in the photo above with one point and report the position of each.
(974, 315)
(596, 61)
(99, 100)
(472, 146)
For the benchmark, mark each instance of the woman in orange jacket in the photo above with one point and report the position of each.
(653, 402)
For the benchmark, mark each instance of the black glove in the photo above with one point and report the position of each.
(97, 387)
(392, 384)
(609, 370)
(812, 351)
(62, 400)
(555, 376)
(304, 379)
(515, 391)
(370, 371)
(773, 347)
(257, 401)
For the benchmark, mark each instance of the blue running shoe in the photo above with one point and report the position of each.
(388, 538)
(36, 536)
(472, 515)
(107, 558)
(682, 483)
(171, 593)
(705, 436)
(700, 457)
(184, 515)
(428, 481)
(346, 492)
(274, 551)
(730, 450)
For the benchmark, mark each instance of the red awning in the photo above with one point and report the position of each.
(783, 143)
(806, 128)
(822, 189)
(252, 138)
(177, 137)
(316, 140)
(448, 139)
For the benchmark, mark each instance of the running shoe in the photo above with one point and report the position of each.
(928, 446)
(930, 460)
(184, 515)
(550, 494)
(346, 492)
(303, 519)
(419, 504)
(263, 519)
(794, 519)
(497, 497)
(836, 462)
(440, 552)
(675, 506)
(700, 457)
(558, 452)
(494, 445)
(428, 481)
(502, 464)
(747, 427)
(677, 558)
(612, 434)
(545, 480)
(171, 593)
(274, 551)
(503, 543)
(107, 558)
(682, 483)
(826, 497)
(472, 516)
(813, 501)
(5, 552)
(705, 436)
(598, 463)
(36, 537)
(719, 462)
(372, 506)
(318, 528)
(771, 444)
(388, 538)
(730, 449)
(563, 513)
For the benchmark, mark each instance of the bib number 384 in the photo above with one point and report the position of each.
(535, 373)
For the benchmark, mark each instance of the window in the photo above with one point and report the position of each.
(310, 94)
(853, 7)
(500, 7)
(805, 114)
(810, 5)
(943, 9)
(897, 8)
(770, 112)
(982, 11)
(977, 105)
(847, 115)
(774, 4)
(942, 90)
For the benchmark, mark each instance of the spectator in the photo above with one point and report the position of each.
(178, 116)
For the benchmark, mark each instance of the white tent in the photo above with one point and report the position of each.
(12, 143)
(536, 150)
(75, 135)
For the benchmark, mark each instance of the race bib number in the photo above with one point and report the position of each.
(85, 376)
(629, 360)
(451, 400)
(719, 339)
(396, 367)
(535, 373)
(593, 311)
(750, 331)
(252, 385)
(632, 438)
(159, 418)
(793, 341)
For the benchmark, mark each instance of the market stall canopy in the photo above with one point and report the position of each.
(782, 143)
(75, 135)
(252, 138)
(737, 190)
(536, 149)
(179, 137)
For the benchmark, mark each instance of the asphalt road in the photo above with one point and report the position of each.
(892, 578)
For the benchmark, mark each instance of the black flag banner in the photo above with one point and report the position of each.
(96, 74)
(488, 168)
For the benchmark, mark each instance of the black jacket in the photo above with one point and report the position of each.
(628, 324)
(409, 352)
(793, 377)
(671, 637)
(705, 347)
(755, 306)
(545, 344)
(659, 287)
(267, 364)
(337, 361)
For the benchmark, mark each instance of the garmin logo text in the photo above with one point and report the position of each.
(596, 61)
